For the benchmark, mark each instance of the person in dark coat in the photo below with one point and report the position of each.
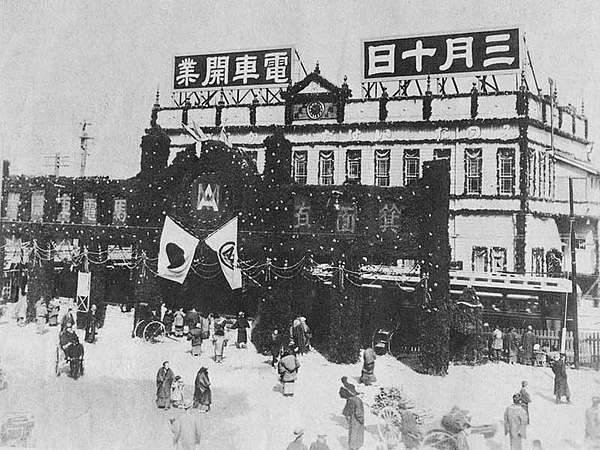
(525, 399)
(561, 386)
(75, 354)
(515, 423)
(528, 343)
(164, 380)
(202, 392)
(513, 345)
(67, 320)
(367, 376)
(195, 336)
(298, 335)
(167, 321)
(90, 326)
(66, 339)
(192, 318)
(275, 346)
(355, 414)
(241, 324)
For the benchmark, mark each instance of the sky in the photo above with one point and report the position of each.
(63, 62)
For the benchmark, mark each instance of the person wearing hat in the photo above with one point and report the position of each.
(241, 324)
(320, 443)
(202, 392)
(515, 423)
(592, 424)
(354, 412)
(287, 367)
(297, 443)
(561, 385)
(528, 344)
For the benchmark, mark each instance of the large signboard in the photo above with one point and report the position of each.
(473, 53)
(233, 70)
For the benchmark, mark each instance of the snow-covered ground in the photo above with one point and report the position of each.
(113, 405)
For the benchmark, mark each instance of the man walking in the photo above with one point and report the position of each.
(515, 423)
(528, 343)
(592, 425)
(561, 385)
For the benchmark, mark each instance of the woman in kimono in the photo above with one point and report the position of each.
(367, 376)
(355, 414)
(241, 324)
(202, 392)
(219, 340)
(288, 372)
(164, 380)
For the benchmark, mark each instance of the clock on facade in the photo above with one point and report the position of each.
(315, 110)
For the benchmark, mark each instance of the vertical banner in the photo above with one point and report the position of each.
(84, 281)
(37, 206)
(224, 242)
(89, 208)
(12, 206)
(120, 212)
(65, 209)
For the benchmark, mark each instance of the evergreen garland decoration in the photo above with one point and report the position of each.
(435, 313)
(39, 285)
(427, 109)
(344, 326)
(474, 102)
(274, 312)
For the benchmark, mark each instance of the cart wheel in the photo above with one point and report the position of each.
(394, 345)
(139, 328)
(154, 331)
(440, 439)
(389, 425)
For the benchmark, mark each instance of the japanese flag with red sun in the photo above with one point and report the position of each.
(224, 242)
(176, 252)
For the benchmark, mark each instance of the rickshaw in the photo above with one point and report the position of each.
(16, 428)
(150, 330)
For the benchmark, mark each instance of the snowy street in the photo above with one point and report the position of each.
(113, 405)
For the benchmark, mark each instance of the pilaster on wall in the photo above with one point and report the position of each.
(520, 217)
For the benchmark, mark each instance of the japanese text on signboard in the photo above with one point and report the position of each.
(450, 54)
(240, 69)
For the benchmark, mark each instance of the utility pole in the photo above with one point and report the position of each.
(552, 95)
(84, 138)
(574, 277)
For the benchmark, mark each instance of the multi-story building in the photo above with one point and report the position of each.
(511, 156)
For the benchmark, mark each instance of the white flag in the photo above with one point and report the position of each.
(176, 252)
(224, 242)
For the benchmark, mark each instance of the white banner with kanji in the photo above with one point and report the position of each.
(224, 242)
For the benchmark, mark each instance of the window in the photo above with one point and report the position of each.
(389, 217)
(299, 166)
(353, 166)
(506, 171)
(473, 163)
(441, 153)
(497, 259)
(12, 205)
(382, 167)
(326, 167)
(479, 259)
(537, 260)
(411, 166)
